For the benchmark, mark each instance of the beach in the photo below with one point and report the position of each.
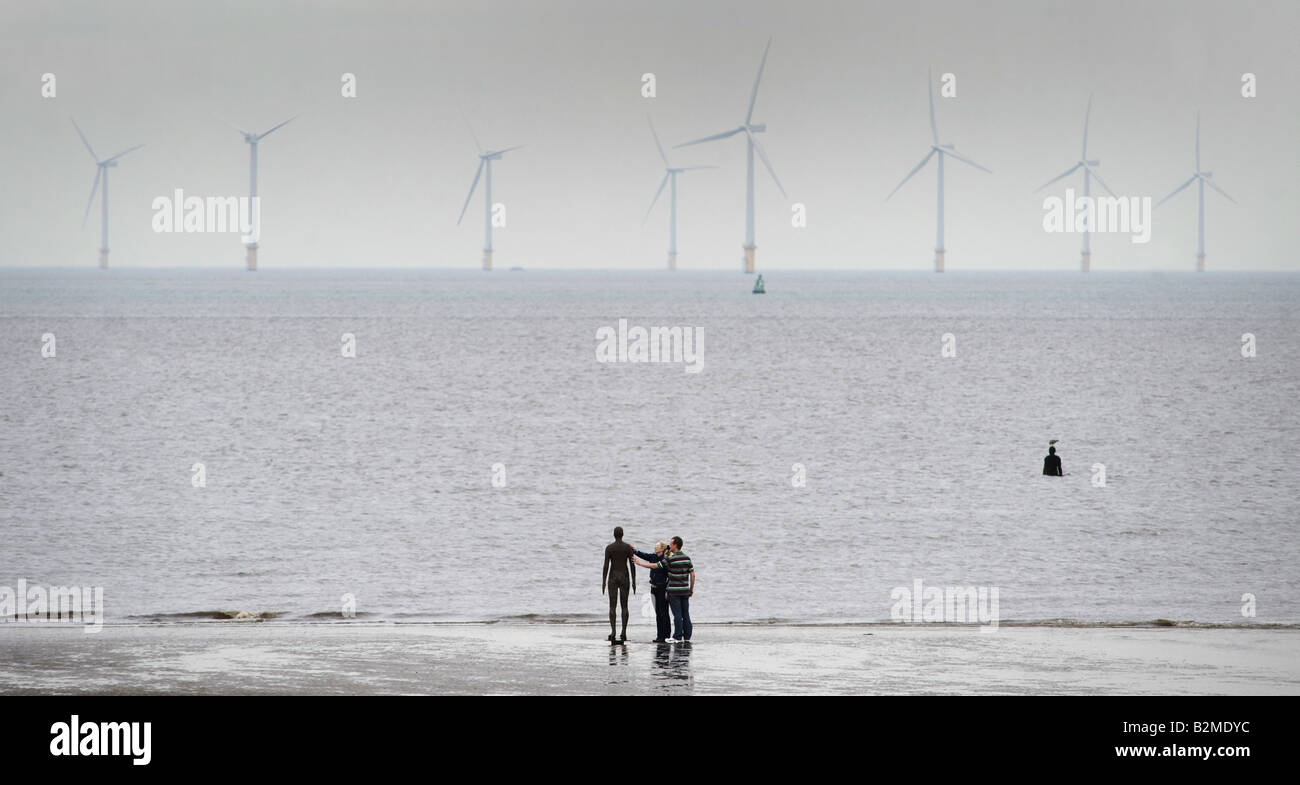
(354, 658)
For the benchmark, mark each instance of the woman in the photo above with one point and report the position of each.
(658, 587)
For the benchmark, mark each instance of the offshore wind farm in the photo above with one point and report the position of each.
(752, 145)
(832, 119)
(1089, 168)
(670, 181)
(1202, 179)
(940, 150)
(485, 159)
(252, 140)
(102, 168)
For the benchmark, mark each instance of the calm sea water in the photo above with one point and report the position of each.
(373, 475)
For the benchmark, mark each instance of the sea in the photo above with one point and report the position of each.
(446, 445)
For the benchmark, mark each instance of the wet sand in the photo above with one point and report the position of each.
(346, 658)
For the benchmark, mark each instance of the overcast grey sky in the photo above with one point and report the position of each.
(380, 179)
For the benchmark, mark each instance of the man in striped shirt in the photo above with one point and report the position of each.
(681, 587)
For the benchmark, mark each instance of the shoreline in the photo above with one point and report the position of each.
(275, 619)
(364, 657)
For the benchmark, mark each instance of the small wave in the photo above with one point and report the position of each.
(217, 615)
(339, 615)
(1182, 623)
(320, 617)
(551, 618)
(777, 622)
(1053, 623)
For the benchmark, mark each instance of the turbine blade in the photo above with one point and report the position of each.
(722, 135)
(1220, 190)
(657, 144)
(83, 140)
(232, 125)
(508, 149)
(758, 148)
(924, 161)
(1190, 180)
(1097, 177)
(124, 152)
(1086, 115)
(1198, 141)
(753, 97)
(951, 154)
(929, 93)
(472, 186)
(662, 185)
(702, 166)
(99, 170)
(473, 135)
(276, 128)
(1059, 177)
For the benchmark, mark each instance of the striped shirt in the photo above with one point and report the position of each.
(680, 570)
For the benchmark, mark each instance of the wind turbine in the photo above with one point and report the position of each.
(669, 176)
(101, 172)
(749, 128)
(485, 160)
(941, 150)
(1089, 172)
(1201, 179)
(254, 217)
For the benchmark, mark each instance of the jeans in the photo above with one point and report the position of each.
(681, 606)
(662, 623)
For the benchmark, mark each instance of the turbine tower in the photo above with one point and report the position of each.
(101, 172)
(485, 160)
(1089, 172)
(941, 150)
(252, 140)
(1201, 179)
(669, 176)
(749, 128)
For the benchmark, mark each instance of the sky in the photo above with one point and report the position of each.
(378, 180)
